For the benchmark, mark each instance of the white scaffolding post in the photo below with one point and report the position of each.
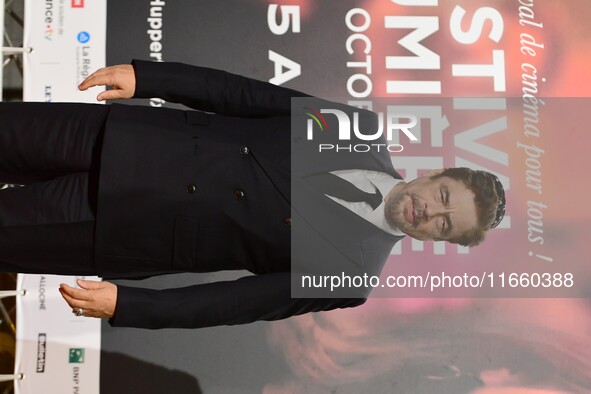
(8, 378)
(5, 294)
(2, 6)
(12, 293)
(3, 312)
(8, 50)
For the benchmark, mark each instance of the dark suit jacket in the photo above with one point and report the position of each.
(190, 191)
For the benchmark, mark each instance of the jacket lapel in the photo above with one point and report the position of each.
(343, 229)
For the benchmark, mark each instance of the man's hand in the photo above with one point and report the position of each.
(120, 78)
(96, 299)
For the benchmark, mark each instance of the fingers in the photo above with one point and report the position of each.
(90, 284)
(72, 297)
(110, 95)
(72, 300)
(106, 76)
(121, 78)
(96, 299)
(78, 294)
(99, 77)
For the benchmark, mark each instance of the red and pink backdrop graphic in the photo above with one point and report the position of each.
(525, 64)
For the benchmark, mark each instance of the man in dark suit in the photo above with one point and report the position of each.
(140, 191)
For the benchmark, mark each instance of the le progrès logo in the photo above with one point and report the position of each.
(83, 37)
(349, 130)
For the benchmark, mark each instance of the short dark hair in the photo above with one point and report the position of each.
(486, 198)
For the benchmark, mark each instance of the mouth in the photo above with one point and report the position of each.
(410, 212)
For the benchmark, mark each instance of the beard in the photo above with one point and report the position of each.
(394, 211)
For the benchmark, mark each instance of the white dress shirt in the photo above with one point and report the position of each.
(368, 181)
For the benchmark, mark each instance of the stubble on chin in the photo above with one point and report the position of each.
(393, 211)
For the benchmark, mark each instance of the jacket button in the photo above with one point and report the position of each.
(244, 150)
(239, 194)
(287, 222)
(191, 188)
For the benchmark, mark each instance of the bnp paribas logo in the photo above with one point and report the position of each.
(76, 356)
(349, 129)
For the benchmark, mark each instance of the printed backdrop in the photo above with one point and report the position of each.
(522, 61)
(523, 64)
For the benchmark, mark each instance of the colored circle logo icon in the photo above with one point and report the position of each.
(83, 37)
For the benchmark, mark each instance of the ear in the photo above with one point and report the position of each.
(420, 237)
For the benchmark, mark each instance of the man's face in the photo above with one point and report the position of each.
(432, 209)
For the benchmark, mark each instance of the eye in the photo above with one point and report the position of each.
(442, 225)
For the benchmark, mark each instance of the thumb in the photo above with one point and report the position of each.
(89, 284)
(112, 94)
